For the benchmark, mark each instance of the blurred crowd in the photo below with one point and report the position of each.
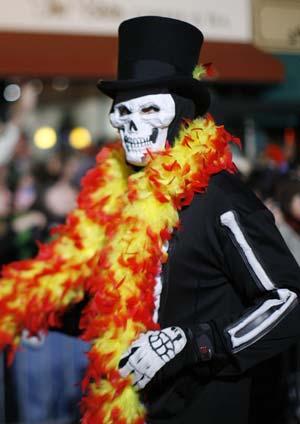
(43, 384)
(37, 194)
(275, 178)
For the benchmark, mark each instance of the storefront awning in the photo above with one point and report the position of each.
(78, 56)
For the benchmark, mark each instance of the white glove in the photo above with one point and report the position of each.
(150, 352)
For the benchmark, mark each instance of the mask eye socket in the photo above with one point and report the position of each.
(123, 110)
(150, 109)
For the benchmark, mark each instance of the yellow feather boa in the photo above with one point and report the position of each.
(111, 247)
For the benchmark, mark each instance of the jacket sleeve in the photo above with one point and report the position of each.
(261, 268)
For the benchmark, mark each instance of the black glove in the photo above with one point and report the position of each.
(169, 349)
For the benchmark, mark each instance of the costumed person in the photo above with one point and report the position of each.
(187, 282)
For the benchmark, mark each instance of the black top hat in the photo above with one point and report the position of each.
(158, 52)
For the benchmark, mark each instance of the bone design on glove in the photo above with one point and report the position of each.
(150, 352)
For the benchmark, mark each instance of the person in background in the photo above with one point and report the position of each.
(7, 251)
(12, 128)
(60, 198)
(275, 386)
(270, 168)
(287, 197)
(287, 215)
(56, 358)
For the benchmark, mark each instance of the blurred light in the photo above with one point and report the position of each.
(12, 92)
(37, 85)
(60, 83)
(80, 138)
(45, 138)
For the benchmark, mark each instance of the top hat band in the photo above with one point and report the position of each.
(147, 69)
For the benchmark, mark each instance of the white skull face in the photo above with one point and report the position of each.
(143, 124)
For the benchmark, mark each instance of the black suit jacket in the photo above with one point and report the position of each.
(228, 266)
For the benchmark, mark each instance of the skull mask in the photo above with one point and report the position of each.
(143, 124)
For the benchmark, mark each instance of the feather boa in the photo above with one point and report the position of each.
(111, 247)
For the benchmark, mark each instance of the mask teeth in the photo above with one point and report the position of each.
(137, 143)
(136, 140)
(154, 135)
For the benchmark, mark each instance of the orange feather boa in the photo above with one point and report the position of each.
(111, 247)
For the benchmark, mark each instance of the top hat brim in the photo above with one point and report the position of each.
(184, 86)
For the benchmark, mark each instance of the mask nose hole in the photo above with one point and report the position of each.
(132, 126)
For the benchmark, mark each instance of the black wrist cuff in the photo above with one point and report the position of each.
(201, 337)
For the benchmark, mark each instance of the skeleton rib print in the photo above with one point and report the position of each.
(263, 317)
